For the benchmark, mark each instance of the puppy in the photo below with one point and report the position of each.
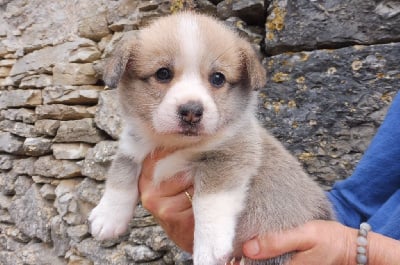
(188, 83)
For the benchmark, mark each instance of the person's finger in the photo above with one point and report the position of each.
(167, 188)
(180, 221)
(170, 202)
(149, 162)
(170, 206)
(276, 244)
(169, 194)
(183, 224)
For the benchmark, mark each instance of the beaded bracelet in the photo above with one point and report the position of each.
(362, 243)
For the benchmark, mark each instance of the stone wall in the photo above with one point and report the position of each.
(332, 71)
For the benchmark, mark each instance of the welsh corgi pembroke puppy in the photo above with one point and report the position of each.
(188, 83)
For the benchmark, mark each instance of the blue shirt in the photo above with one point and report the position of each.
(372, 193)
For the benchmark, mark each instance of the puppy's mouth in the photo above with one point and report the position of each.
(184, 130)
(190, 130)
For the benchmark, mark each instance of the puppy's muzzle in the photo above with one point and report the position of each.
(190, 113)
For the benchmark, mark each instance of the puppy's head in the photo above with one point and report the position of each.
(185, 75)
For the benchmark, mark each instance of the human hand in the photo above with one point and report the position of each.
(315, 243)
(168, 203)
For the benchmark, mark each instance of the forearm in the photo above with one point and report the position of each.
(383, 250)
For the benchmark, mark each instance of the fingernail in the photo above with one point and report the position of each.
(252, 247)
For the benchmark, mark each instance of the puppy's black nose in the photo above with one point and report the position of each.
(191, 112)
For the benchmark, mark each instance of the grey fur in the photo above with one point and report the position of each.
(280, 195)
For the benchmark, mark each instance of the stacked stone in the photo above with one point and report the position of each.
(58, 132)
(332, 70)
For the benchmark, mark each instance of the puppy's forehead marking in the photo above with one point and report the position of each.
(190, 39)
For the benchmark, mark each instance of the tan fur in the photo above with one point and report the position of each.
(239, 152)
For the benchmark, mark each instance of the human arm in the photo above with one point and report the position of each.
(171, 207)
(323, 243)
(315, 241)
(370, 193)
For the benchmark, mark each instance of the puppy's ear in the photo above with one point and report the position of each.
(254, 71)
(116, 64)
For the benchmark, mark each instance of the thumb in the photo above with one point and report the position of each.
(278, 243)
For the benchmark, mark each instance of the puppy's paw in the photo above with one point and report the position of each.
(107, 225)
(109, 220)
(209, 256)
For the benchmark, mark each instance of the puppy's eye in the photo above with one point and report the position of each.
(217, 79)
(164, 75)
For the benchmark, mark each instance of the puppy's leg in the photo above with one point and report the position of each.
(110, 218)
(216, 215)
